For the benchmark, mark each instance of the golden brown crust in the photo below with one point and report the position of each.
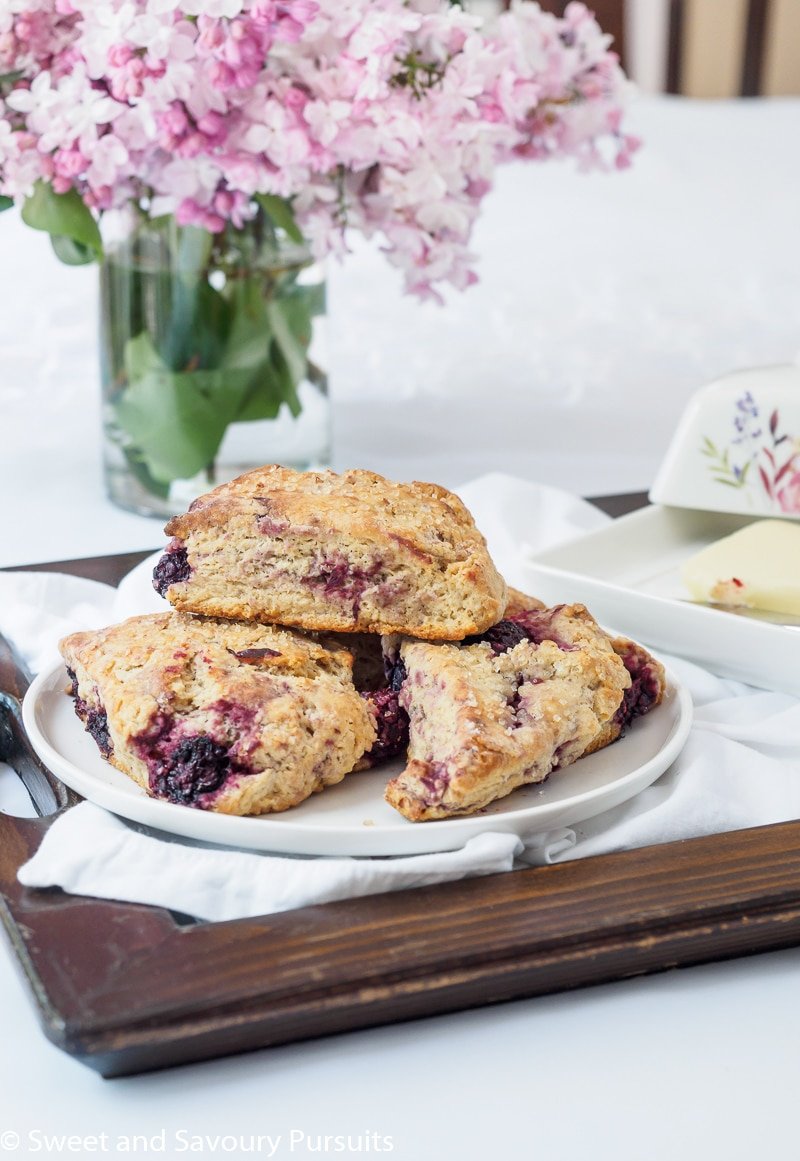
(483, 723)
(344, 553)
(519, 602)
(223, 716)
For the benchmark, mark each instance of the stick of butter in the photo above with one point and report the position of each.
(758, 566)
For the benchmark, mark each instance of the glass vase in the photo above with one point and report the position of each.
(212, 359)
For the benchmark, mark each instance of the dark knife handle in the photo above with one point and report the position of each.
(48, 794)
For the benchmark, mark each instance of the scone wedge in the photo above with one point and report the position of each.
(320, 551)
(222, 716)
(538, 691)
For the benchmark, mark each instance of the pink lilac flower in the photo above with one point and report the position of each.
(387, 117)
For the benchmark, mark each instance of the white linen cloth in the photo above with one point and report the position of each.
(740, 767)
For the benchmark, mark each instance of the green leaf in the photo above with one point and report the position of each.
(291, 336)
(283, 379)
(62, 215)
(177, 420)
(139, 472)
(265, 396)
(250, 333)
(194, 326)
(140, 357)
(263, 341)
(280, 211)
(5, 203)
(70, 252)
(217, 358)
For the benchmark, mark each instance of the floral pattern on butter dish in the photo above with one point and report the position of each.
(760, 458)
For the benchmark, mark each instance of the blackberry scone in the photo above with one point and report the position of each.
(320, 551)
(236, 718)
(648, 679)
(506, 708)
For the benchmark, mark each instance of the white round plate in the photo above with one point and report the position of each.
(135, 593)
(352, 818)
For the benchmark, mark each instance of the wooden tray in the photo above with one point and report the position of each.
(126, 988)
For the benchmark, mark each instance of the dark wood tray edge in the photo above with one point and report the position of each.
(181, 994)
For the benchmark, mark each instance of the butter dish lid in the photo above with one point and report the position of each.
(737, 447)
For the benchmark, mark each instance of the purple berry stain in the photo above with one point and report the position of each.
(195, 767)
(94, 718)
(643, 691)
(184, 768)
(502, 637)
(337, 577)
(172, 568)
(537, 626)
(436, 780)
(391, 722)
(396, 672)
(268, 526)
(254, 656)
(97, 726)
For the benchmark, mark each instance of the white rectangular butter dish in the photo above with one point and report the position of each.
(628, 575)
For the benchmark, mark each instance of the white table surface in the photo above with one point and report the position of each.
(605, 302)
